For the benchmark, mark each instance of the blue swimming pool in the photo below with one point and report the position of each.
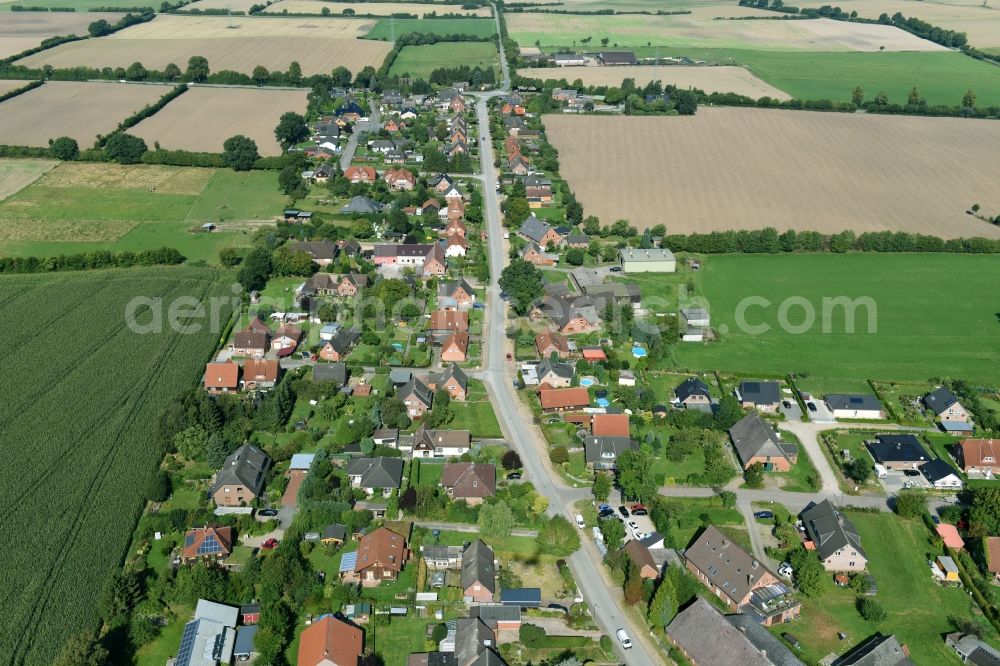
(638, 351)
(398, 346)
(587, 381)
(602, 402)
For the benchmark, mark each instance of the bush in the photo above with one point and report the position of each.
(440, 632)
(871, 610)
(159, 487)
(124, 148)
(65, 148)
(911, 503)
(559, 455)
(531, 635)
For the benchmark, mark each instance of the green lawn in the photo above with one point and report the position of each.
(232, 195)
(476, 417)
(386, 29)
(693, 514)
(430, 474)
(919, 612)
(420, 61)
(396, 641)
(165, 645)
(913, 341)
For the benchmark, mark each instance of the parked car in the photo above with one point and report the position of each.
(785, 569)
(615, 269)
(514, 476)
(602, 507)
(634, 526)
(622, 510)
(763, 514)
(624, 639)
(268, 513)
(636, 508)
(787, 404)
(510, 357)
(911, 472)
(269, 544)
(558, 607)
(811, 406)
(579, 521)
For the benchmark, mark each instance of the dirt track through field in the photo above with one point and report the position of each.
(709, 79)
(75, 109)
(203, 118)
(729, 168)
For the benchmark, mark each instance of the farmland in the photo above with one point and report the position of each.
(25, 30)
(318, 46)
(77, 445)
(709, 8)
(234, 5)
(202, 118)
(684, 31)
(79, 207)
(420, 61)
(386, 28)
(913, 341)
(713, 178)
(372, 8)
(15, 175)
(81, 7)
(76, 109)
(709, 79)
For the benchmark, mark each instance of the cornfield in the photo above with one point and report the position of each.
(81, 396)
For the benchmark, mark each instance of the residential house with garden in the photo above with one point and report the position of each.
(693, 393)
(207, 544)
(980, 458)
(431, 443)
(479, 573)
(221, 377)
(382, 554)
(472, 482)
(260, 374)
(376, 476)
(834, 538)
(854, 406)
(756, 441)
(330, 641)
(416, 396)
(601, 452)
(760, 395)
(240, 480)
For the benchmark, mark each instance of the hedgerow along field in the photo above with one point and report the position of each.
(77, 441)
(936, 316)
(388, 29)
(80, 206)
(746, 168)
(420, 61)
(20, 31)
(372, 8)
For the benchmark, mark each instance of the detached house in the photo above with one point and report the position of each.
(745, 584)
(400, 179)
(479, 574)
(455, 348)
(322, 252)
(339, 346)
(472, 482)
(570, 315)
(538, 232)
(453, 380)
(547, 344)
(382, 554)
(286, 338)
(455, 294)
(762, 396)
(610, 425)
(553, 374)
(854, 406)
(330, 641)
(361, 174)
(560, 400)
(693, 393)
(416, 396)
(952, 415)
(898, 452)
(376, 475)
(446, 322)
(207, 544)
(428, 443)
(251, 341)
(980, 457)
(534, 254)
(241, 478)
(351, 284)
(756, 441)
(222, 377)
(601, 453)
(260, 374)
(835, 538)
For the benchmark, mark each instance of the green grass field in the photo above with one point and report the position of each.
(78, 5)
(386, 29)
(476, 417)
(420, 61)
(74, 410)
(55, 215)
(919, 612)
(924, 329)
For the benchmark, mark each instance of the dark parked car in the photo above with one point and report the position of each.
(811, 406)
(558, 607)
(615, 269)
(787, 404)
(607, 513)
(763, 514)
(514, 476)
(268, 513)
(622, 510)
(911, 472)
(639, 510)
(270, 543)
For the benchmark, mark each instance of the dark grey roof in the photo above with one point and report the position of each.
(606, 449)
(449, 287)
(704, 634)
(864, 401)
(454, 371)
(877, 650)
(547, 366)
(940, 399)
(830, 530)
(344, 339)
(521, 596)
(477, 566)
(335, 531)
(726, 565)
(400, 375)
(330, 372)
(760, 393)
(936, 470)
(321, 249)
(380, 472)
(246, 466)
(534, 228)
(972, 650)
(577, 239)
(360, 204)
(563, 309)
(653, 538)
(764, 640)
(489, 657)
(691, 386)
(897, 448)
(618, 57)
(417, 389)
(472, 636)
(244, 641)
(753, 436)
(496, 612)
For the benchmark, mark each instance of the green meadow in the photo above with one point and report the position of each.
(936, 315)
(388, 29)
(420, 61)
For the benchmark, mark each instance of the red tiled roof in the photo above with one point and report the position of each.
(950, 536)
(449, 320)
(383, 546)
(562, 398)
(222, 375)
(976, 451)
(193, 540)
(263, 370)
(330, 641)
(610, 425)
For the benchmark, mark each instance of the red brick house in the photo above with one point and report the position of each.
(361, 174)
(455, 348)
(547, 343)
(533, 254)
(561, 400)
(399, 179)
(453, 380)
(435, 263)
(448, 321)
(207, 544)
(251, 341)
(351, 284)
(642, 558)
(472, 482)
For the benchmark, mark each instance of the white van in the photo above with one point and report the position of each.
(624, 639)
(579, 521)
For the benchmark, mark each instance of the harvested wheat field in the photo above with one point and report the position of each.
(732, 168)
(15, 175)
(980, 21)
(710, 79)
(20, 31)
(76, 109)
(318, 45)
(233, 5)
(373, 8)
(7, 86)
(554, 30)
(202, 118)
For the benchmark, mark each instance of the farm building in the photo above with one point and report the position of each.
(647, 261)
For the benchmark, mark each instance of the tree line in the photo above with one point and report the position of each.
(88, 261)
(769, 241)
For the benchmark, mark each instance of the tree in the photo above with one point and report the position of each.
(260, 75)
(495, 520)
(969, 99)
(539, 504)
(984, 515)
(523, 284)
(341, 77)
(687, 103)
(558, 536)
(172, 72)
(294, 74)
(858, 469)
(882, 99)
(858, 96)
(255, 269)
(65, 148)
(786, 534)
(230, 256)
(663, 607)
(511, 460)
(914, 98)
(808, 571)
(118, 596)
(191, 442)
(159, 487)
(602, 487)
(728, 412)
(239, 152)
(124, 148)
(291, 129)
(100, 28)
(290, 181)
(754, 475)
(728, 498)
(911, 503)
(574, 257)
(633, 584)
(635, 474)
(197, 69)
(82, 649)
(871, 610)
(613, 531)
(136, 72)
